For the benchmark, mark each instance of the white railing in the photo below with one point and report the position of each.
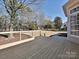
(34, 33)
(19, 32)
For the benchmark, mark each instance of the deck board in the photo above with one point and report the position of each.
(43, 48)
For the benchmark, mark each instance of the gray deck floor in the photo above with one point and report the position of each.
(43, 48)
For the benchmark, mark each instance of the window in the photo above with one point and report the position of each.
(74, 10)
(77, 18)
(77, 8)
(74, 24)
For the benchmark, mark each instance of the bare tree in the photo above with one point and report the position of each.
(12, 6)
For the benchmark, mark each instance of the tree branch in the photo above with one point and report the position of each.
(21, 3)
(6, 7)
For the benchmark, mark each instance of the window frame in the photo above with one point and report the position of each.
(74, 26)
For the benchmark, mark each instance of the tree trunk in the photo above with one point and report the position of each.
(12, 20)
(11, 30)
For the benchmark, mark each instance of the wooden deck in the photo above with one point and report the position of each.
(43, 48)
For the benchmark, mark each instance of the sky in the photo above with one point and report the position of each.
(53, 8)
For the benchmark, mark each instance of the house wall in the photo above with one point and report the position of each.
(74, 39)
(69, 7)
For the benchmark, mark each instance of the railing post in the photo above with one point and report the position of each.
(40, 33)
(32, 33)
(20, 35)
(44, 34)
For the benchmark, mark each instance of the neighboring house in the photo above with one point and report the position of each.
(64, 26)
(71, 10)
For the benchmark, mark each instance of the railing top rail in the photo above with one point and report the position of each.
(13, 32)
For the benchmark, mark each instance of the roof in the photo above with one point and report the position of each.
(65, 7)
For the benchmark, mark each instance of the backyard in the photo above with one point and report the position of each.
(39, 29)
